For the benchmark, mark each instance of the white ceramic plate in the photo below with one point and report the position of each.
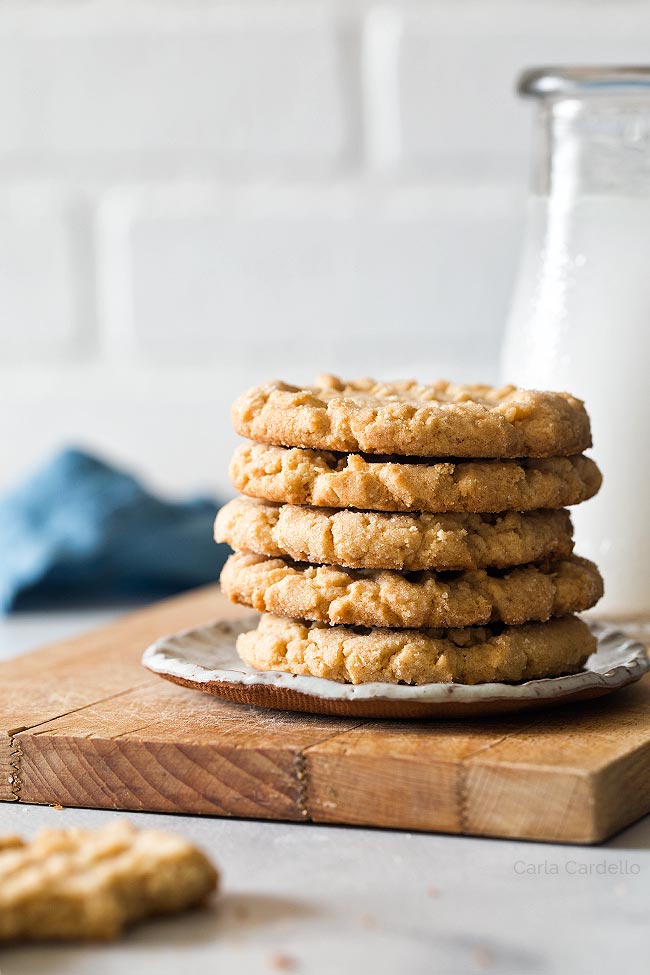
(205, 658)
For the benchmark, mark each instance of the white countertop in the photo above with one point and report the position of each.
(316, 899)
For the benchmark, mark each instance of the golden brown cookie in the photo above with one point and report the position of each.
(381, 597)
(438, 420)
(474, 655)
(89, 884)
(298, 476)
(377, 540)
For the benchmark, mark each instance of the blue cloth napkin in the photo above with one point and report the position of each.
(79, 528)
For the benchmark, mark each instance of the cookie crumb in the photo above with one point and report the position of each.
(369, 921)
(281, 962)
(483, 957)
(433, 892)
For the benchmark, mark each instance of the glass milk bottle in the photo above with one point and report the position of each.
(580, 316)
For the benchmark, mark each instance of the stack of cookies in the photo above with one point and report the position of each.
(410, 534)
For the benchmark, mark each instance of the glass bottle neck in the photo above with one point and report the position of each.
(592, 145)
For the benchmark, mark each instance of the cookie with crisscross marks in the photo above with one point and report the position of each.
(82, 884)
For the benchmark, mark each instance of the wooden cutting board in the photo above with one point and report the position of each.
(83, 724)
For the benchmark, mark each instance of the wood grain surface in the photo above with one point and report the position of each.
(83, 724)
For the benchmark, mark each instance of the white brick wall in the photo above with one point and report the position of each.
(450, 68)
(323, 276)
(194, 196)
(171, 91)
(41, 263)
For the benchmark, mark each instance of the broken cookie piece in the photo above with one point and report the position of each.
(83, 884)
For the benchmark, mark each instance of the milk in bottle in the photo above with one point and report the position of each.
(580, 316)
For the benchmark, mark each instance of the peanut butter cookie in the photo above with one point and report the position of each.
(324, 479)
(89, 884)
(377, 540)
(475, 655)
(380, 597)
(404, 418)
